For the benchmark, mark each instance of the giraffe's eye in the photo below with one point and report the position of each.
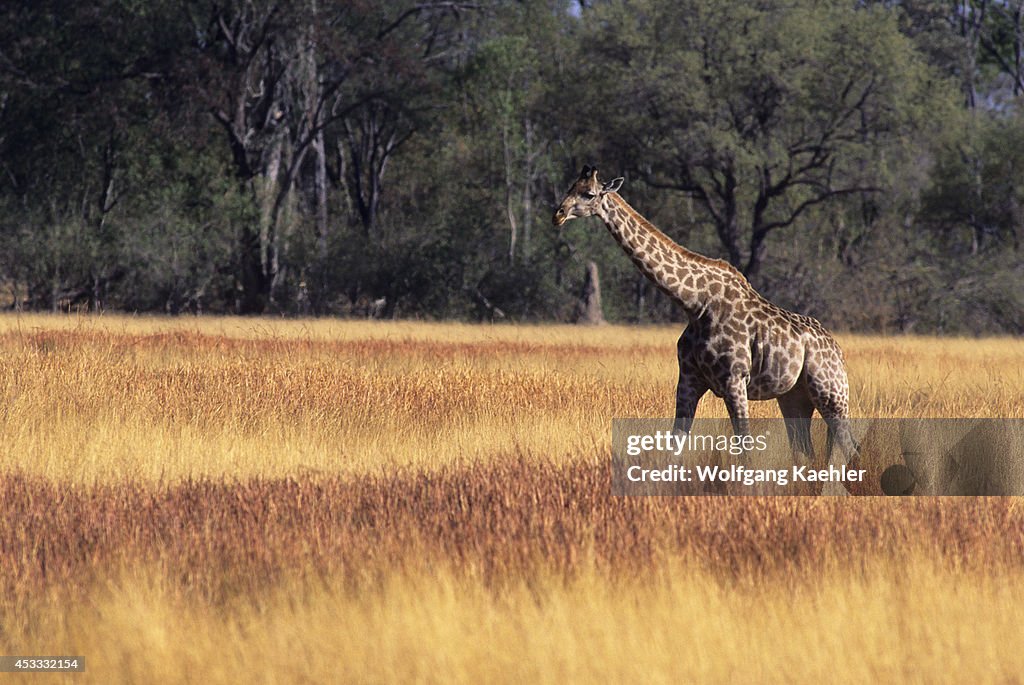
(587, 195)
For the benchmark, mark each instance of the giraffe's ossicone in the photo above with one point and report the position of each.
(736, 343)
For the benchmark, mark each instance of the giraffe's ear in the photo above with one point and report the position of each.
(612, 185)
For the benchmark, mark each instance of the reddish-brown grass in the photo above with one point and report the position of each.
(227, 500)
(499, 522)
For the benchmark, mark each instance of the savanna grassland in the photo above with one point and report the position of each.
(224, 500)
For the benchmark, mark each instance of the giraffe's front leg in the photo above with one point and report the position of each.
(736, 402)
(689, 390)
(688, 393)
(691, 386)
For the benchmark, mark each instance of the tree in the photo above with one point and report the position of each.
(757, 112)
(74, 85)
(503, 83)
(977, 185)
(279, 77)
(411, 43)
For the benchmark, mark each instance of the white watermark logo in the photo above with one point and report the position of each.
(677, 443)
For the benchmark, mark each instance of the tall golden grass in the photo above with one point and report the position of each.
(221, 500)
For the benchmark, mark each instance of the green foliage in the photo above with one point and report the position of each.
(402, 159)
(976, 194)
(758, 112)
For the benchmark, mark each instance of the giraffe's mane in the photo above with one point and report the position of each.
(673, 245)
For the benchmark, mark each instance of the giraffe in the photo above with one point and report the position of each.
(736, 343)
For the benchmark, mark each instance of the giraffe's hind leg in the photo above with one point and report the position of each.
(831, 401)
(840, 433)
(797, 408)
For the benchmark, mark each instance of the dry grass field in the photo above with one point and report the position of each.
(229, 500)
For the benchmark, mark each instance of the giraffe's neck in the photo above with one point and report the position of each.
(681, 274)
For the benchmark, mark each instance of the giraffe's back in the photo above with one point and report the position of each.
(773, 347)
(822, 371)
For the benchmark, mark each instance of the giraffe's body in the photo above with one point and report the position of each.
(737, 344)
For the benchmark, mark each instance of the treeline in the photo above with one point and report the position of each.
(862, 162)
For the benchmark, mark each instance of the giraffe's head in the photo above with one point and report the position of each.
(584, 197)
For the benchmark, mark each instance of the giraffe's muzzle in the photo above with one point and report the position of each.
(559, 218)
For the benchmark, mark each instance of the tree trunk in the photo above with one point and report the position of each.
(313, 97)
(588, 309)
(250, 285)
(510, 210)
(320, 182)
(727, 219)
(528, 186)
(266, 193)
(758, 251)
(1018, 49)
(970, 26)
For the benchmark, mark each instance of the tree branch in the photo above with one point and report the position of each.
(425, 7)
(764, 229)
